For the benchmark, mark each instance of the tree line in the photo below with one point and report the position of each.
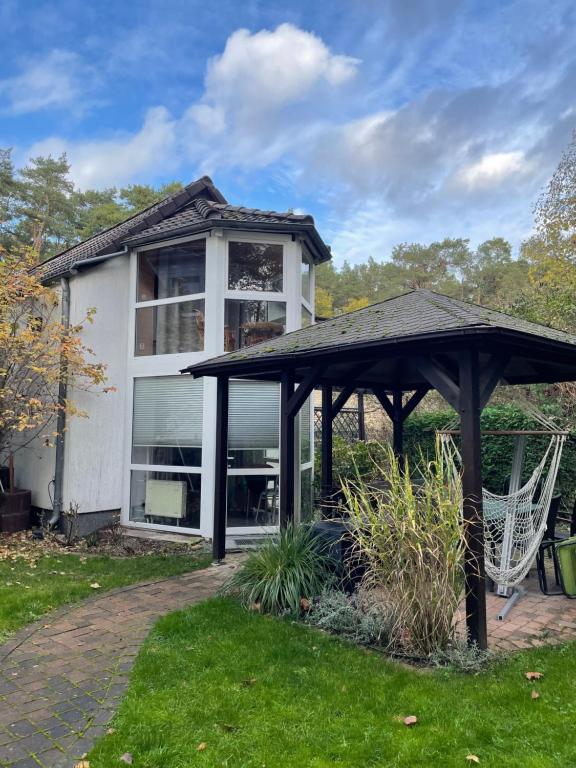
(42, 210)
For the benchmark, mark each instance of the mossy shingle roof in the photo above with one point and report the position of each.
(418, 314)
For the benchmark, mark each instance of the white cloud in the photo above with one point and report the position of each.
(492, 170)
(240, 118)
(121, 160)
(61, 79)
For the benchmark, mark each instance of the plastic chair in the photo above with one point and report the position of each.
(564, 556)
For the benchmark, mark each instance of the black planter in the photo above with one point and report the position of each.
(334, 539)
(15, 511)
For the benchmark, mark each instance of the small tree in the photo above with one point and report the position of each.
(36, 351)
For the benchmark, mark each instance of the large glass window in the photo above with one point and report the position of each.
(165, 498)
(247, 322)
(306, 317)
(253, 440)
(255, 267)
(166, 432)
(252, 500)
(177, 270)
(167, 329)
(253, 424)
(167, 423)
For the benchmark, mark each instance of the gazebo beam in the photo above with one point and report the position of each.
(220, 470)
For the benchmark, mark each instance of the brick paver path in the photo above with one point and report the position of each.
(61, 678)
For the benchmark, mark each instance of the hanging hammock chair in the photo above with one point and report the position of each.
(514, 523)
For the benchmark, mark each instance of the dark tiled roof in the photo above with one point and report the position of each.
(201, 211)
(202, 214)
(111, 239)
(412, 314)
(199, 206)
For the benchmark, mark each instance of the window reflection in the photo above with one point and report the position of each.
(249, 322)
(255, 267)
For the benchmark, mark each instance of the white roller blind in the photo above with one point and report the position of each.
(168, 411)
(254, 415)
(305, 417)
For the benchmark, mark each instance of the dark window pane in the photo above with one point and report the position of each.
(170, 328)
(306, 318)
(177, 270)
(252, 500)
(248, 322)
(254, 267)
(165, 498)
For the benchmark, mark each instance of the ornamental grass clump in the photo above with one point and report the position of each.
(287, 568)
(409, 535)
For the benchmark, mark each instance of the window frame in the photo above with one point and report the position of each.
(171, 300)
(282, 297)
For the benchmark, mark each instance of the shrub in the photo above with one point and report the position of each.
(333, 611)
(286, 568)
(462, 656)
(411, 540)
(420, 434)
(351, 460)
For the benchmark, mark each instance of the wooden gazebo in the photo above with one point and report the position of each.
(398, 349)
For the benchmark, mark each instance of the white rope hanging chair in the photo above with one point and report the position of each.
(514, 523)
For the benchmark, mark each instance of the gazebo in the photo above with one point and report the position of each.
(399, 349)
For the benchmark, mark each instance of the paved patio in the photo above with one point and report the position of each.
(61, 679)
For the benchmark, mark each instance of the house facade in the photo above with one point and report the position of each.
(188, 279)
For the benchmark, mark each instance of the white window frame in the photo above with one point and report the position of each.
(172, 299)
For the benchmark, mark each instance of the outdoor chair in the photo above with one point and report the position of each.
(564, 557)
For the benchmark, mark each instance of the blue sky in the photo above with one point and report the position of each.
(389, 120)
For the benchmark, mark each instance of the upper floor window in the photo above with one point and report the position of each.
(177, 270)
(255, 267)
(170, 299)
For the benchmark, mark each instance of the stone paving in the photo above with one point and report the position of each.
(61, 678)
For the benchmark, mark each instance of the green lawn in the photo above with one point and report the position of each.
(258, 691)
(28, 590)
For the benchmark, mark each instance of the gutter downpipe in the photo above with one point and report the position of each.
(61, 417)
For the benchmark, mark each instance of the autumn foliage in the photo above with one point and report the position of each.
(36, 349)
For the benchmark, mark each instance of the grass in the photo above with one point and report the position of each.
(258, 691)
(30, 589)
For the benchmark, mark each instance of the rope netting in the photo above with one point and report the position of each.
(514, 523)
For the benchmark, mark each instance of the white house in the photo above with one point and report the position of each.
(189, 278)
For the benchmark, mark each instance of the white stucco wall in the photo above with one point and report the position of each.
(94, 453)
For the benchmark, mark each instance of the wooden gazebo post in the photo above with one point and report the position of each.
(326, 446)
(287, 445)
(220, 470)
(470, 409)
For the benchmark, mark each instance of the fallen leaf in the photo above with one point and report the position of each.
(255, 607)
(201, 747)
(533, 675)
(95, 585)
(410, 720)
(534, 695)
(110, 731)
(473, 758)
(126, 758)
(249, 681)
(305, 604)
(82, 764)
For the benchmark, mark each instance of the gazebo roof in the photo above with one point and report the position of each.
(393, 333)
